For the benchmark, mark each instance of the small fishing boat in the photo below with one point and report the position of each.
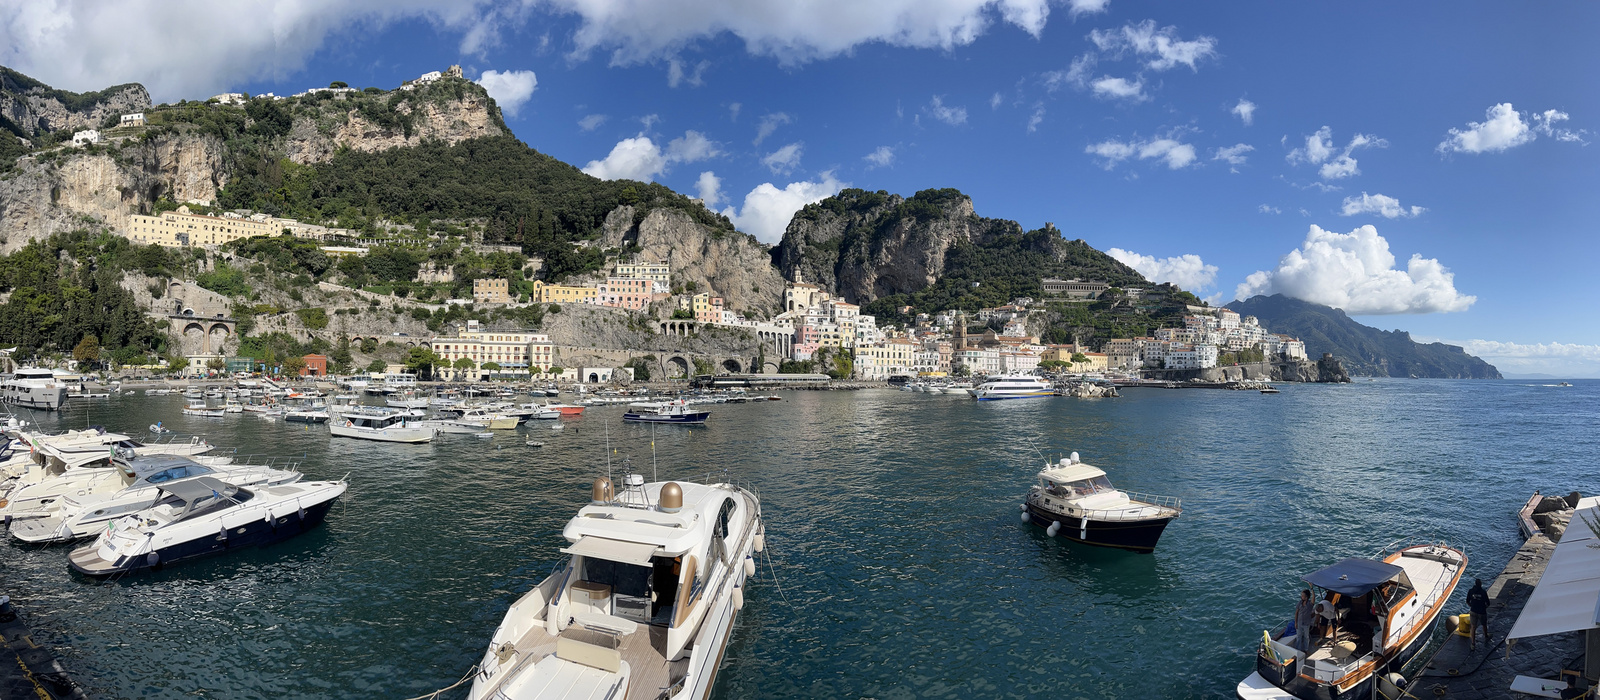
(1374, 615)
(1077, 501)
(675, 411)
(1271, 390)
(534, 443)
(200, 409)
(565, 409)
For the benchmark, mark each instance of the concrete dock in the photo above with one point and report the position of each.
(1457, 671)
(26, 669)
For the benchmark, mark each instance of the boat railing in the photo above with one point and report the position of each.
(1136, 508)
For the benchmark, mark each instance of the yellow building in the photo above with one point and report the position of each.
(491, 291)
(177, 229)
(514, 351)
(559, 294)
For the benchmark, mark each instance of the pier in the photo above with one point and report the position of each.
(28, 670)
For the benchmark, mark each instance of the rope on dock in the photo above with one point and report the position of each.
(435, 694)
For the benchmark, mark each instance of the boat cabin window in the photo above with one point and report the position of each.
(175, 473)
(630, 586)
(1084, 487)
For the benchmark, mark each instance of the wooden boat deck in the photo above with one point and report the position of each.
(644, 651)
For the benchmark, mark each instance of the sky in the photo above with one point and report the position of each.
(1419, 165)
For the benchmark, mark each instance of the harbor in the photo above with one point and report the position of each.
(399, 592)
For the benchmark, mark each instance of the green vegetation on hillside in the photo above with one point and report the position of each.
(57, 300)
(1364, 350)
(12, 81)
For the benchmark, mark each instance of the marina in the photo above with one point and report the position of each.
(400, 591)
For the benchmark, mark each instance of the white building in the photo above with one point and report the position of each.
(86, 136)
(1189, 356)
(1017, 361)
(229, 98)
(514, 351)
(978, 363)
(136, 119)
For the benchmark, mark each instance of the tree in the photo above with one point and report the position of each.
(421, 361)
(641, 369)
(338, 84)
(178, 364)
(292, 366)
(1079, 358)
(682, 314)
(491, 367)
(378, 366)
(216, 364)
(702, 366)
(87, 350)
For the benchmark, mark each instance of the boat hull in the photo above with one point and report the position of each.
(1000, 396)
(404, 435)
(1302, 689)
(1133, 535)
(695, 417)
(39, 398)
(86, 559)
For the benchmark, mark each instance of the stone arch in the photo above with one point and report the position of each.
(218, 334)
(770, 367)
(594, 378)
(174, 289)
(677, 367)
(731, 365)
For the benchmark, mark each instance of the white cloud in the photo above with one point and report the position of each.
(785, 159)
(1246, 110)
(1175, 154)
(954, 116)
(1233, 155)
(1118, 88)
(768, 124)
(1382, 205)
(592, 122)
(881, 158)
(678, 73)
(1568, 360)
(1036, 119)
(1162, 47)
(1355, 272)
(767, 209)
(1076, 75)
(692, 146)
(1319, 149)
(1269, 209)
(510, 89)
(709, 187)
(994, 102)
(637, 158)
(1086, 7)
(733, 111)
(1503, 128)
(1186, 271)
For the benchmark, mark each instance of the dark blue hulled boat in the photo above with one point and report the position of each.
(675, 411)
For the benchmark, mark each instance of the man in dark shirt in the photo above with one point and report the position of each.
(1304, 618)
(1478, 601)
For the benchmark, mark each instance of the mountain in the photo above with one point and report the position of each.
(1365, 351)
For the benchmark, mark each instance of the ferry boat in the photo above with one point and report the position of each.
(33, 387)
(675, 411)
(1375, 615)
(382, 427)
(645, 606)
(1077, 501)
(1013, 386)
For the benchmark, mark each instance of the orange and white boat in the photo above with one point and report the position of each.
(566, 409)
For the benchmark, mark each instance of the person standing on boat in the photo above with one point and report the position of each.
(1304, 617)
(1478, 601)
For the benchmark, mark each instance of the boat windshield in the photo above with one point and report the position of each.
(1075, 489)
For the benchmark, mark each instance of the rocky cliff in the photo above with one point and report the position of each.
(30, 108)
(733, 265)
(450, 112)
(1365, 351)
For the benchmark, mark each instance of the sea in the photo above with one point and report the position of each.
(896, 563)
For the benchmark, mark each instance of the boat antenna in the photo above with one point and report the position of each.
(653, 453)
(1035, 447)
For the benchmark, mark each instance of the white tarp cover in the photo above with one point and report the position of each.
(636, 553)
(1565, 599)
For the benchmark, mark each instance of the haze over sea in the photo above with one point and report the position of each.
(898, 567)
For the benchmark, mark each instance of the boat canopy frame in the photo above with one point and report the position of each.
(1356, 576)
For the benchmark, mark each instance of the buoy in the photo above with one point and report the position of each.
(1024, 516)
(738, 598)
(749, 566)
(1054, 528)
(761, 542)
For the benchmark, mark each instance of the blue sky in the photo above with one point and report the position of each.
(1460, 133)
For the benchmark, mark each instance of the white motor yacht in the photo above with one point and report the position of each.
(1078, 502)
(33, 387)
(644, 607)
(958, 388)
(198, 407)
(1013, 386)
(380, 426)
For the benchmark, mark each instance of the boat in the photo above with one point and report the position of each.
(380, 426)
(306, 415)
(487, 419)
(566, 409)
(1077, 501)
(645, 605)
(204, 516)
(448, 426)
(534, 443)
(408, 400)
(958, 389)
(1375, 615)
(1564, 384)
(159, 392)
(1271, 390)
(1012, 386)
(198, 407)
(233, 407)
(674, 411)
(157, 428)
(33, 387)
(133, 486)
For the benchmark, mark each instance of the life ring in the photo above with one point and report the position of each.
(348, 424)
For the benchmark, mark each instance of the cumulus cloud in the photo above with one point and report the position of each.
(1186, 271)
(1233, 155)
(767, 210)
(1161, 48)
(1246, 111)
(1382, 205)
(510, 89)
(785, 159)
(881, 158)
(1086, 7)
(678, 73)
(1570, 360)
(1319, 150)
(709, 187)
(768, 124)
(639, 158)
(954, 116)
(1175, 154)
(1504, 128)
(1355, 271)
(994, 102)
(1118, 88)
(591, 122)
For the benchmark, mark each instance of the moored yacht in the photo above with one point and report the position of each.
(1013, 386)
(674, 411)
(33, 387)
(1374, 615)
(380, 426)
(1077, 501)
(644, 607)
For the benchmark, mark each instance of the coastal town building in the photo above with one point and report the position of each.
(660, 273)
(634, 294)
(491, 291)
(1074, 289)
(546, 293)
(183, 228)
(516, 351)
(135, 119)
(85, 137)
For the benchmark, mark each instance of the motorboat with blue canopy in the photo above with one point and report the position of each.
(1355, 576)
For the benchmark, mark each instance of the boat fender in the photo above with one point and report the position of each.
(749, 566)
(761, 542)
(738, 598)
(224, 534)
(302, 512)
(1054, 528)
(268, 519)
(1025, 517)
(152, 559)
(1022, 507)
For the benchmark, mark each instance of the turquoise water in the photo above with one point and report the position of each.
(898, 565)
